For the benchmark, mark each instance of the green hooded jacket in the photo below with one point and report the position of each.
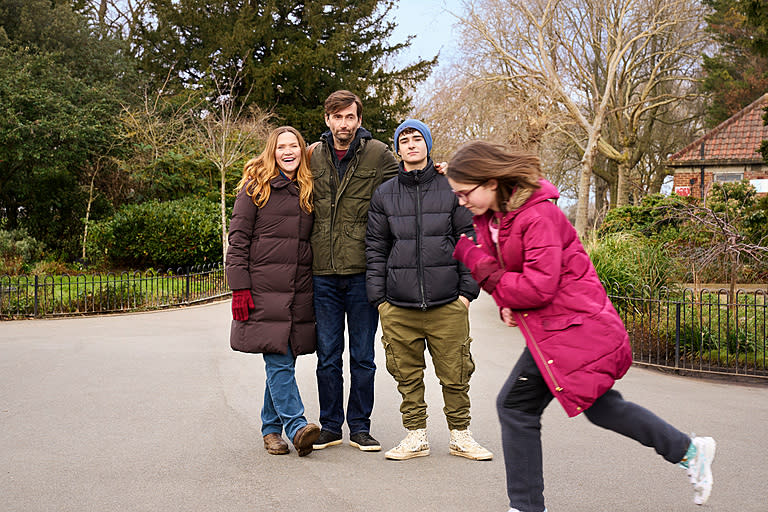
(341, 204)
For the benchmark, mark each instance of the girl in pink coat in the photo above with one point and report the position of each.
(529, 258)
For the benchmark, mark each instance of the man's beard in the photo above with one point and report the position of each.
(344, 137)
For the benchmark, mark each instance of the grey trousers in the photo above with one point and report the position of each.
(522, 401)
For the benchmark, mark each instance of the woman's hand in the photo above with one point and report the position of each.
(242, 303)
(506, 317)
(441, 167)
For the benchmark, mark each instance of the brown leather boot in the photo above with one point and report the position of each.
(305, 437)
(275, 445)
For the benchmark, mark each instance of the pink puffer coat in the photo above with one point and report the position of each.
(541, 271)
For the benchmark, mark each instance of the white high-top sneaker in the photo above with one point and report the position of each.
(464, 445)
(415, 444)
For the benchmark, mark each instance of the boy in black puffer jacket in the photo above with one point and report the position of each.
(421, 292)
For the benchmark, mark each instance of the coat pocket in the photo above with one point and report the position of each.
(361, 184)
(355, 231)
(467, 362)
(561, 322)
(390, 360)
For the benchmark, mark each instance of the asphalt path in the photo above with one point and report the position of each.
(154, 412)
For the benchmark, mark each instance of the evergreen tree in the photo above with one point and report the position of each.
(738, 73)
(60, 88)
(289, 56)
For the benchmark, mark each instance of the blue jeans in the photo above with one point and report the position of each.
(335, 297)
(282, 408)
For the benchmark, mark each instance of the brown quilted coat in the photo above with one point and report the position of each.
(269, 253)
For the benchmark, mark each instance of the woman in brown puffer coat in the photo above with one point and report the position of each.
(269, 269)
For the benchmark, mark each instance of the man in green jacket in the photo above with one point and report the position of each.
(348, 165)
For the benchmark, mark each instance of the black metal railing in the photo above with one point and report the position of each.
(60, 295)
(703, 331)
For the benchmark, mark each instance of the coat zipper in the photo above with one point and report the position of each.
(522, 322)
(520, 319)
(419, 245)
(497, 244)
(295, 275)
(335, 186)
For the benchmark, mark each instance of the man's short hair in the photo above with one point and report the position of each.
(406, 131)
(340, 100)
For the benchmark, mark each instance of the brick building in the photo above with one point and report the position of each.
(729, 152)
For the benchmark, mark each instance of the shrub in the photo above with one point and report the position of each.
(160, 234)
(651, 219)
(626, 262)
(18, 251)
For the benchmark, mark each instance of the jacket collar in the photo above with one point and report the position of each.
(279, 181)
(545, 192)
(411, 178)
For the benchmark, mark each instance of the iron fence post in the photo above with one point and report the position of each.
(188, 271)
(36, 299)
(677, 335)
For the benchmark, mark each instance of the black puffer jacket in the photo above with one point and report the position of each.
(413, 224)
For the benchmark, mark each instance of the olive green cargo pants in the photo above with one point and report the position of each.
(444, 331)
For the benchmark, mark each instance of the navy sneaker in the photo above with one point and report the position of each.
(326, 439)
(364, 441)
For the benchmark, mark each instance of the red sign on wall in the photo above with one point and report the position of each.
(683, 191)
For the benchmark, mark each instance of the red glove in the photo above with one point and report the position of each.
(477, 260)
(242, 302)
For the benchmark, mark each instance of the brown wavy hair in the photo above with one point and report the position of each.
(516, 171)
(340, 100)
(259, 171)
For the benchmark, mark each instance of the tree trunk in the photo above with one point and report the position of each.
(601, 193)
(622, 188)
(585, 180)
(223, 193)
(103, 15)
(88, 212)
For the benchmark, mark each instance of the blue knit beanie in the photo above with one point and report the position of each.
(417, 125)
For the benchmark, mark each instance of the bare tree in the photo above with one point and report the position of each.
(227, 132)
(461, 107)
(726, 241)
(117, 17)
(157, 125)
(724, 232)
(598, 60)
(96, 166)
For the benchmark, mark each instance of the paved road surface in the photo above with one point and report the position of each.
(154, 412)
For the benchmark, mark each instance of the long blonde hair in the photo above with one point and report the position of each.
(259, 171)
(516, 171)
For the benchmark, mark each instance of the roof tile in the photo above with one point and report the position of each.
(736, 138)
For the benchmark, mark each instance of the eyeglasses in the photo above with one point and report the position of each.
(465, 195)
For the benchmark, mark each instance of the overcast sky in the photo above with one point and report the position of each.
(432, 25)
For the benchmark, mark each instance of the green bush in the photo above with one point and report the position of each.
(651, 219)
(628, 263)
(160, 234)
(18, 251)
